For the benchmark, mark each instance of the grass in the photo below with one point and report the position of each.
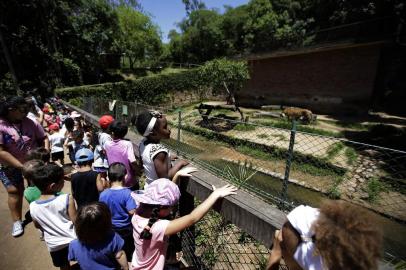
(284, 124)
(301, 166)
(262, 136)
(351, 155)
(244, 127)
(374, 188)
(334, 149)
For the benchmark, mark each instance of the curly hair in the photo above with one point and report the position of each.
(347, 237)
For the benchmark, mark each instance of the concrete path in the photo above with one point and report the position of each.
(27, 251)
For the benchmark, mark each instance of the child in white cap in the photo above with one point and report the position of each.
(339, 235)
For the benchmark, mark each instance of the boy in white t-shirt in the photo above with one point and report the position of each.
(56, 140)
(54, 214)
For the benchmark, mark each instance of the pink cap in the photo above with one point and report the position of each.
(162, 192)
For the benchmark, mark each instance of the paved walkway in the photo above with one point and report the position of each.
(27, 251)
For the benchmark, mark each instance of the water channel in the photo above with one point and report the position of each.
(211, 156)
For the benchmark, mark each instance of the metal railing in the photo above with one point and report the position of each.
(285, 167)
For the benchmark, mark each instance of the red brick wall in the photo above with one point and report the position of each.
(324, 81)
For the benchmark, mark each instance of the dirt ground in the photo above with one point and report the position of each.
(27, 251)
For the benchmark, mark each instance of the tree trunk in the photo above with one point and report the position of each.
(232, 97)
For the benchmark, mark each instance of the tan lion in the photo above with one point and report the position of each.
(293, 113)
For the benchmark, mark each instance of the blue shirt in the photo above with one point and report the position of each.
(120, 202)
(99, 256)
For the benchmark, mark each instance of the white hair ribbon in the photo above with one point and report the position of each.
(150, 127)
(302, 219)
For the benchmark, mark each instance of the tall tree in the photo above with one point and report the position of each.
(139, 38)
(193, 5)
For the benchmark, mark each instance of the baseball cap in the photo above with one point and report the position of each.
(54, 127)
(105, 121)
(162, 192)
(83, 154)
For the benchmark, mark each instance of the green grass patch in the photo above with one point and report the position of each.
(374, 188)
(244, 127)
(334, 149)
(262, 136)
(351, 155)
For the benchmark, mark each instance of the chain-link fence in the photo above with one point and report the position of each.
(285, 167)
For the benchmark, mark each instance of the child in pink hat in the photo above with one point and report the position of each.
(152, 230)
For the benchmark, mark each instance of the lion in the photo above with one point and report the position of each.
(304, 115)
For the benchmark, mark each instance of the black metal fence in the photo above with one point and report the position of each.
(285, 167)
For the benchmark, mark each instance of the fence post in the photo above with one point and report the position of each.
(284, 192)
(179, 126)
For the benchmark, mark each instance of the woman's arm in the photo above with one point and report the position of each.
(122, 259)
(9, 159)
(184, 222)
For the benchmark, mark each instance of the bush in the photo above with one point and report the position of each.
(151, 89)
(154, 89)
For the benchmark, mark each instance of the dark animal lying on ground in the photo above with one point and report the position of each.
(304, 115)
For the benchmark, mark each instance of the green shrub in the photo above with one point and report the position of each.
(154, 89)
(374, 188)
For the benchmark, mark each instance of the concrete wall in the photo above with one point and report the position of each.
(331, 80)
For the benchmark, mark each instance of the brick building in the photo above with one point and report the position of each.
(331, 79)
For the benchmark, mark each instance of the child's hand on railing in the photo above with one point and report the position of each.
(224, 191)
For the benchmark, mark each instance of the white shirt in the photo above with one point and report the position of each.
(103, 138)
(52, 216)
(148, 153)
(56, 140)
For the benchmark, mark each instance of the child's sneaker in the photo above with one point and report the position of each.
(17, 229)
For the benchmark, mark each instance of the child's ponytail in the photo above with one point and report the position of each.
(146, 233)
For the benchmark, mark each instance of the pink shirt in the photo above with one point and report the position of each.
(122, 151)
(149, 254)
(18, 139)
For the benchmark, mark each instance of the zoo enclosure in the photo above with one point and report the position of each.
(287, 167)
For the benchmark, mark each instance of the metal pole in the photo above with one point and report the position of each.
(179, 127)
(284, 192)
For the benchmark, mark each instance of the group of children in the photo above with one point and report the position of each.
(108, 221)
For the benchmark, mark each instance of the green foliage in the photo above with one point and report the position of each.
(334, 193)
(154, 89)
(334, 149)
(243, 173)
(139, 38)
(374, 188)
(57, 42)
(7, 87)
(351, 155)
(219, 71)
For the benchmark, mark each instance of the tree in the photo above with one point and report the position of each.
(223, 74)
(56, 42)
(139, 38)
(193, 5)
(232, 26)
(201, 37)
